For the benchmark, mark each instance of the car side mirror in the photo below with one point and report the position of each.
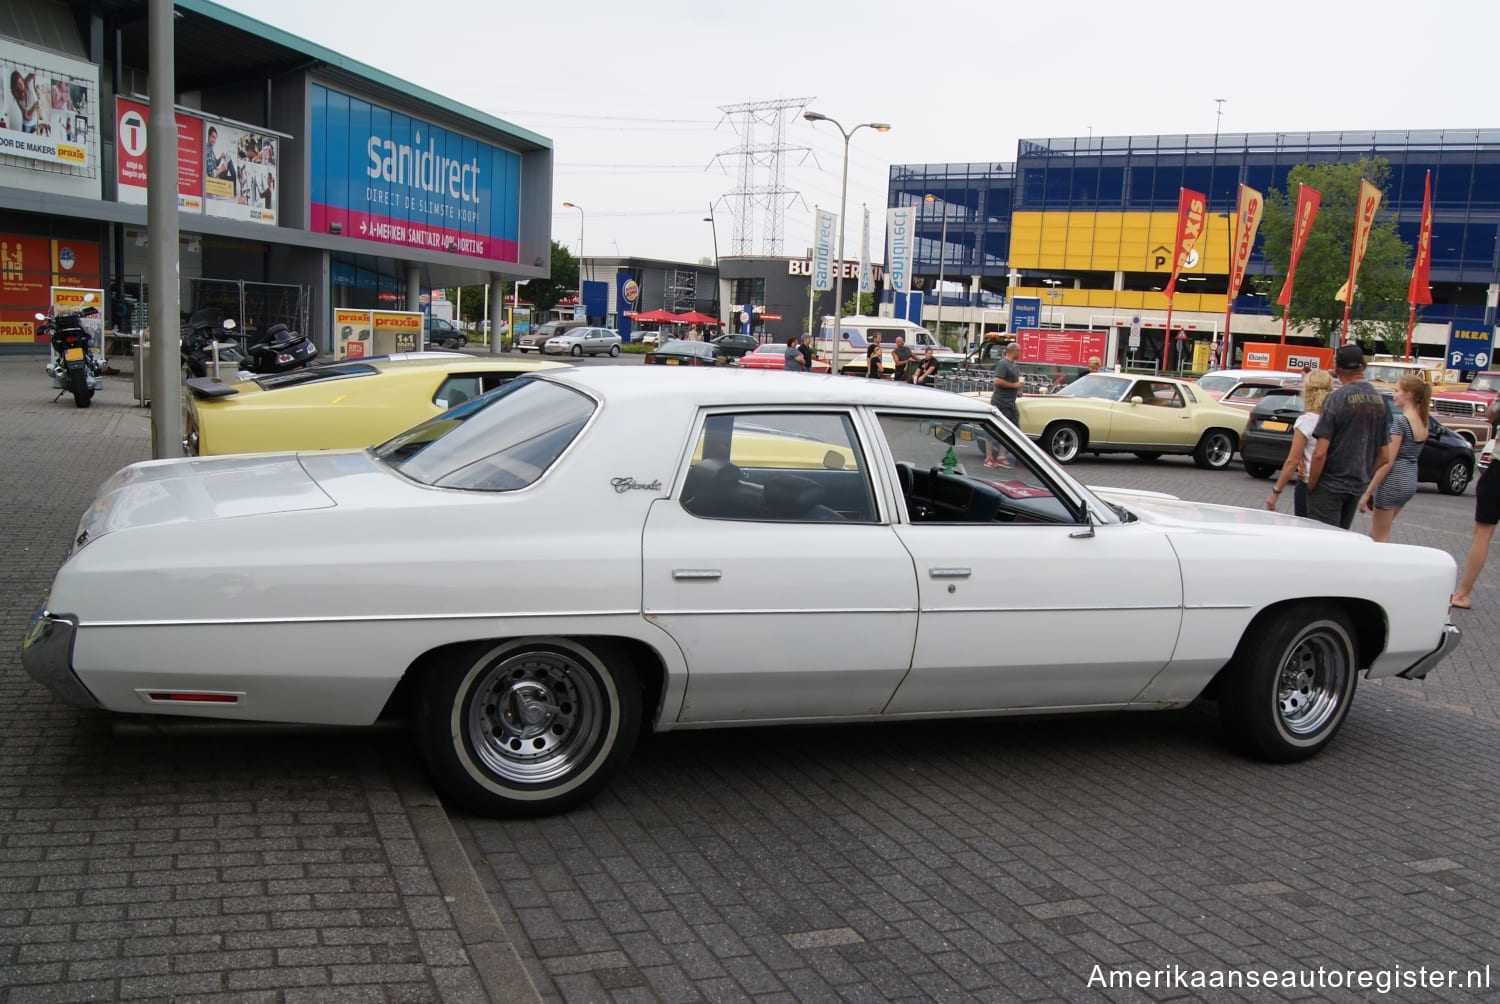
(1136, 399)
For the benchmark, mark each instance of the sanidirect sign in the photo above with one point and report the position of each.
(822, 259)
(382, 176)
(901, 224)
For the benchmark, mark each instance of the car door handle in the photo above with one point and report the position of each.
(950, 573)
(696, 573)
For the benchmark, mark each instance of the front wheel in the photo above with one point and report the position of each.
(1455, 477)
(1214, 450)
(1291, 684)
(1148, 456)
(83, 394)
(1064, 442)
(528, 727)
(1259, 470)
(578, 350)
(614, 350)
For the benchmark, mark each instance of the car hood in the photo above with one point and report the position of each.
(192, 489)
(1170, 514)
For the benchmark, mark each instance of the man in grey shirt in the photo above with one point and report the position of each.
(1008, 384)
(1354, 429)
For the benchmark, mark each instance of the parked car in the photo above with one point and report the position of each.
(1220, 382)
(772, 356)
(1120, 413)
(352, 403)
(1247, 393)
(738, 344)
(442, 577)
(1446, 460)
(584, 342)
(655, 338)
(537, 337)
(1468, 408)
(444, 334)
(857, 332)
(685, 353)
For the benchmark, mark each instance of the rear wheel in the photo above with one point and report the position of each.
(1064, 442)
(578, 350)
(1149, 456)
(1214, 450)
(1291, 684)
(82, 393)
(1455, 477)
(528, 727)
(1259, 470)
(614, 350)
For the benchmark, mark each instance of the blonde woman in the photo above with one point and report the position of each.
(1314, 389)
(1394, 481)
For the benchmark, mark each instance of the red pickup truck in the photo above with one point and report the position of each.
(1465, 410)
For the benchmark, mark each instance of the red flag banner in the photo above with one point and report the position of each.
(1302, 221)
(1251, 209)
(1364, 217)
(1420, 292)
(1190, 221)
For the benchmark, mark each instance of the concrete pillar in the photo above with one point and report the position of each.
(496, 294)
(413, 287)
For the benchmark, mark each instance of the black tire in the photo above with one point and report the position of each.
(523, 351)
(1291, 684)
(193, 368)
(614, 350)
(530, 726)
(1215, 450)
(1456, 477)
(83, 395)
(578, 350)
(1259, 470)
(1064, 441)
(1147, 456)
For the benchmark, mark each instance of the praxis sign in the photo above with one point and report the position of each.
(386, 177)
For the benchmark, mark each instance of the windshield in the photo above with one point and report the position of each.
(1215, 384)
(1280, 400)
(500, 441)
(1485, 381)
(1096, 385)
(1386, 373)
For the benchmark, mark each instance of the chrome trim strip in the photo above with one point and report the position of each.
(776, 611)
(1044, 610)
(697, 573)
(950, 573)
(1419, 669)
(359, 618)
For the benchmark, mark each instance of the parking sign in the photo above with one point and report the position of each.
(1470, 346)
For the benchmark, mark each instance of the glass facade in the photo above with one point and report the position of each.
(1142, 174)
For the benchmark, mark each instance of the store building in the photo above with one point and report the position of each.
(673, 286)
(1084, 224)
(306, 181)
(773, 295)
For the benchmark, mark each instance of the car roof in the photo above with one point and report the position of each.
(774, 388)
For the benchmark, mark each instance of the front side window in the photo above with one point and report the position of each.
(1157, 392)
(498, 442)
(1098, 386)
(787, 467)
(960, 469)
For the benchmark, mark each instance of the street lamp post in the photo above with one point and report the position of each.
(838, 272)
(1053, 295)
(709, 219)
(942, 262)
(570, 205)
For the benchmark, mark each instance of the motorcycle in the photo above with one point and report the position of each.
(74, 366)
(209, 342)
(279, 349)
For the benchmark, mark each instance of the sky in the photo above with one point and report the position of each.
(630, 94)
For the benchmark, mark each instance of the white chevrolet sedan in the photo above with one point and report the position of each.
(530, 582)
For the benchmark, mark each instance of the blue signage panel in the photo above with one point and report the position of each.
(1470, 346)
(595, 298)
(627, 302)
(382, 176)
(1025, 313)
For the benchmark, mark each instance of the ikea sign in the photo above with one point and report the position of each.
(382, 176)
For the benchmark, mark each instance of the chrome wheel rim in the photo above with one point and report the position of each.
(1310, 688)
(1219, 451)
(535, 717)
(1064, 444)
(1458, 478)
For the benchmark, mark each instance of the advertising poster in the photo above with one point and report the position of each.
(351, 333)
(1060, 348)
(49, 113)
(130, 160)
(75, 263)
(29, 269)
(395, 331)
(379, 175)
(240, 180)
(65, 298)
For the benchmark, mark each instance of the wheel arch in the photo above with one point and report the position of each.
(1368, 618)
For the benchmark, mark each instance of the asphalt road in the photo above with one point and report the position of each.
(1021, 859)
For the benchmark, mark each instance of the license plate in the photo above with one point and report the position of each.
(1275, 426)
(671, 362)
(72, 355)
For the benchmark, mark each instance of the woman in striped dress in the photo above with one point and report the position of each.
(1395, 480)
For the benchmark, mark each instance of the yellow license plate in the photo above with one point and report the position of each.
(1275, 426)
(671, 362)
(72, 354)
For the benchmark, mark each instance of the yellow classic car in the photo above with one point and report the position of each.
(1124, 413)
(343, 405)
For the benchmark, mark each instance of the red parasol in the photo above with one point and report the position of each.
(694, 317)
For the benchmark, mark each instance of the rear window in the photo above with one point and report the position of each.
(503, 441)
(314, 374)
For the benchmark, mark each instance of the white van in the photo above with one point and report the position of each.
(858, 330)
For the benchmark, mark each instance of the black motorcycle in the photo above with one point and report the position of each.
(278, 349)
(74, 366)
(209, 338)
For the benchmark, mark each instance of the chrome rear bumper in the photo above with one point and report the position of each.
(1419, 669)
(47, 655)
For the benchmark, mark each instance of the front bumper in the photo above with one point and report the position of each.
(1418, 670)
(47, 655)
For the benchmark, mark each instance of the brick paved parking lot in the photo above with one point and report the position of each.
(993, 860)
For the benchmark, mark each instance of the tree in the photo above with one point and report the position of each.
(545, 292)
(1378, 311)
(861, 304)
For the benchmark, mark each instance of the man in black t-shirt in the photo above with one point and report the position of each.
(926, 374)
(1354, 430)
(901, 358)
(875, 358)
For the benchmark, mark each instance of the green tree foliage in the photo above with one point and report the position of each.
(860, 303)
(1378, 312)
(544, 293)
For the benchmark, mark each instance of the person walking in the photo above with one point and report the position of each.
(1486, 515)
(1299, 458)
(1008, 384)
(1353, 432)
(805, 347)
(1395, 479)
(875, 358)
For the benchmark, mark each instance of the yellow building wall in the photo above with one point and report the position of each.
(1112, 242)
